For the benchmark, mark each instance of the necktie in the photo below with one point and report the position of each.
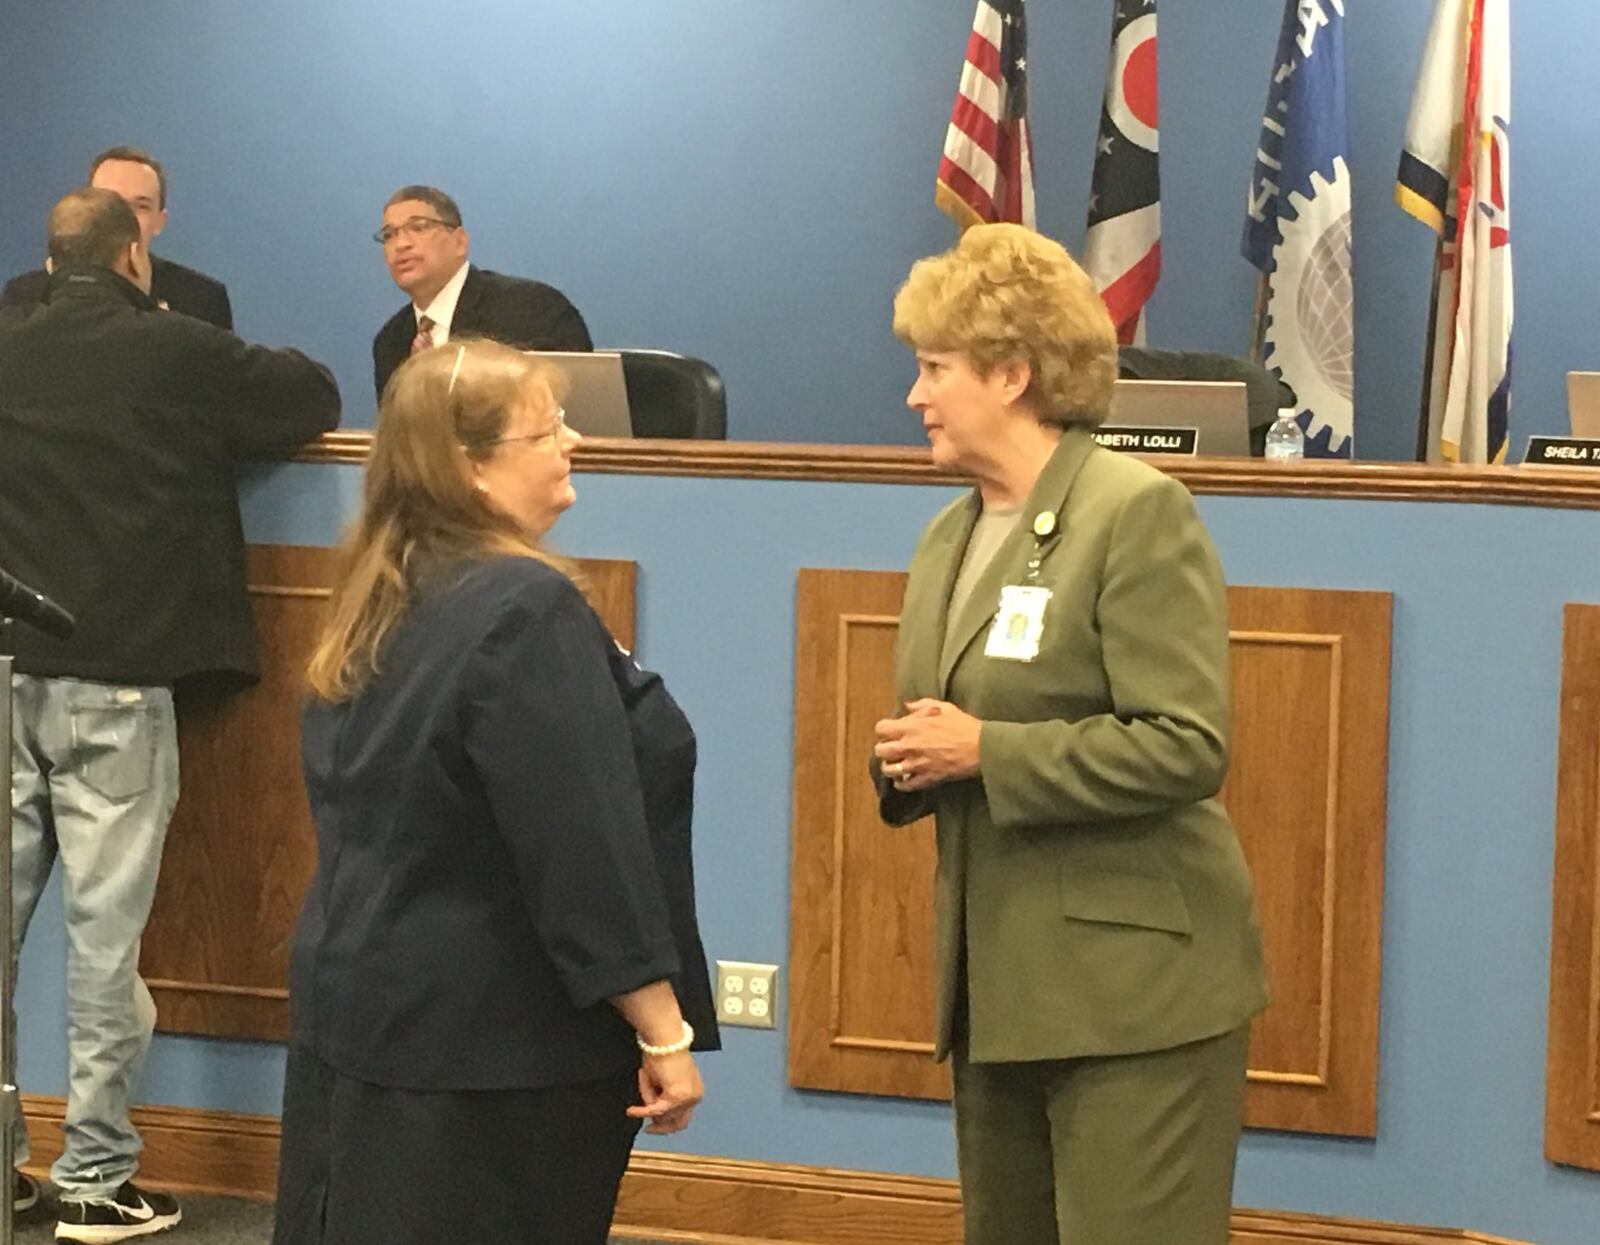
(424, 338)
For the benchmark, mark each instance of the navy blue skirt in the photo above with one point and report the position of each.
(361, 1163)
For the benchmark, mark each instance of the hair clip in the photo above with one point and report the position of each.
(456, 370)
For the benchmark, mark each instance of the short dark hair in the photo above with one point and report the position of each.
(134, 156)
(435, 198)
(92, 226)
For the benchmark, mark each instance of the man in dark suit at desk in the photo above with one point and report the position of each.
(425, 246)
(142, 182)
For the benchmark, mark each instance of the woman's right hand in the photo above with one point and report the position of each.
(933, 742)
(671, 1089)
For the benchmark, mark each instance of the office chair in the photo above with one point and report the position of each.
(672, 395)
(1264, 392)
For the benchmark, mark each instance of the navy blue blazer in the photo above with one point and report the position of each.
(489, 867)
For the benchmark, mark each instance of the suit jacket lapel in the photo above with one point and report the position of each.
(1010, 564)
(466, 319)
(943, 560)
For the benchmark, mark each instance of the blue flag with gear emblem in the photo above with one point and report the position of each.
(1298, 227)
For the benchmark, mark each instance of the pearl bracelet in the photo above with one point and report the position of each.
(675, 1048)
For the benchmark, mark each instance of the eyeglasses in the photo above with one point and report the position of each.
(553, 431)
(413, 228)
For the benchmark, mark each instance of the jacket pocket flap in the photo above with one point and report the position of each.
(1126, 899)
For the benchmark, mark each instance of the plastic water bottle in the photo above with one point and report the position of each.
(1284, 439)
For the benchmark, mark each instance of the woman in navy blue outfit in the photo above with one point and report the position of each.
(498, 976)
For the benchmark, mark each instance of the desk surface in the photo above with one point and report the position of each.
(1572, 489)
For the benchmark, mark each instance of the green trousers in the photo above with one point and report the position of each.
(1111, 1150)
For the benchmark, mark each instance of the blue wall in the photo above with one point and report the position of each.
(1478, 598)
(745, 180)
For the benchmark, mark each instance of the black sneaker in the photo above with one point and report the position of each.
(26, 1194)
(132, 1213)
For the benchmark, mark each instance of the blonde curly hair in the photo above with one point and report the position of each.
(1005, 293)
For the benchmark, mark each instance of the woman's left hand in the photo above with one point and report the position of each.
(934, 742)
(670, 1089)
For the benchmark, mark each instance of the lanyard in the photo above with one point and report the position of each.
(1045, 532)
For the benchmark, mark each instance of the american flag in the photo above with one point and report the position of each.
(987, 170)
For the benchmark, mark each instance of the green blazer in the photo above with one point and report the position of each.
(1089, 887)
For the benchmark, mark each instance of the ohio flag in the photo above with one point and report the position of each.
(1122, 250)
(1298, 228)
(1455, 178)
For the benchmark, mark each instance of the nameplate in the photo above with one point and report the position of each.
(1562, 452)
(1130, 439)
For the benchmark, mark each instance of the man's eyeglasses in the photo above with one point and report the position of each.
(554, 430)
(413, 228)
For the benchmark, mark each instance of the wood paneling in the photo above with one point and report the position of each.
(612, 588)
(1307, 790)
(861, 937)
(1559, 488)
(241, 848)
(1572, 1083)
(677, 1197)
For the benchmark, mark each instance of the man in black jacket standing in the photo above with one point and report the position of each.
(140, 179)
(123, 427)
(425, 246)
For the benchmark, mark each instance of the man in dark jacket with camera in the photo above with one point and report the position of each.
(123, 426)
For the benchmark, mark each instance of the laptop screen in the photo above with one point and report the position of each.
(1583, 404)
(597, 397)
(1216, 409)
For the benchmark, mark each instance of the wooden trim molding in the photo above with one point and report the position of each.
(677, 1197)
(1554, 487)
(185, 1149)
(1262, 1227)
(712, 1201)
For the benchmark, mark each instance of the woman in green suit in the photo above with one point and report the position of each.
(1063, 668)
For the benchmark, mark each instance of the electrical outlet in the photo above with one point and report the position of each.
(747, 994)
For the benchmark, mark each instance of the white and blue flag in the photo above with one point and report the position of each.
(1298, 229)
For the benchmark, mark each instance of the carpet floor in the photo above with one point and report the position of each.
(206, 1221)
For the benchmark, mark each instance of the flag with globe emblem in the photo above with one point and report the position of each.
(1122, 250)
(1297, 231)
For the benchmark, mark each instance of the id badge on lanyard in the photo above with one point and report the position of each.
(1018, 626)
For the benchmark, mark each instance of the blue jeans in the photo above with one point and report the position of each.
(94, 782)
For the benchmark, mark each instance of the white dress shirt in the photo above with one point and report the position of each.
(442, 310)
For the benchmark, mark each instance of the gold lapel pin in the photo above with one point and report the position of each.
(1044, 523)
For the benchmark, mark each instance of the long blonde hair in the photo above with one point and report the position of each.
(443, 409)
